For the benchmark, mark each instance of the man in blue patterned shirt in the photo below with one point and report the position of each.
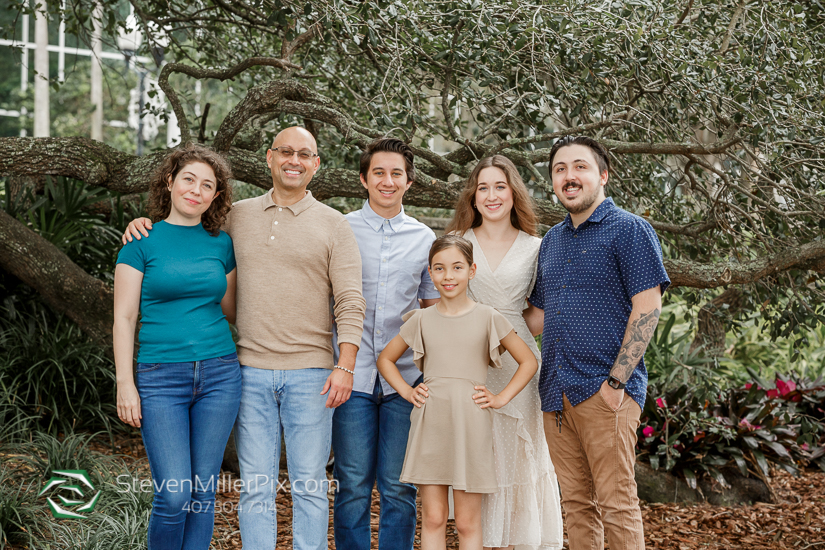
(600, 283)
(369, 432)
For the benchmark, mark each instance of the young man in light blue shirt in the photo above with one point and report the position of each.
(369, 431)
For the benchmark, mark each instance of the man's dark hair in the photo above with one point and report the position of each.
(388, 145)
(599, 151)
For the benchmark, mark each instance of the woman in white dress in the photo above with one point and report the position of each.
(495, 213)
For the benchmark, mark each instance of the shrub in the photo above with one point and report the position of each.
(16, 510)
(119, 520)
(51, 375)
(65, 215)
(747, 427)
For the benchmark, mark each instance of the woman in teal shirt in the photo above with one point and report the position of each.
(182, 281)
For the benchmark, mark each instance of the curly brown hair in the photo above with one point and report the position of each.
(160, 199)
(522, 215)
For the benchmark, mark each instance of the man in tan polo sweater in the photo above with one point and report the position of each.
(294, 254)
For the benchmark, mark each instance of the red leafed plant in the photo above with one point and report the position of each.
(751, 426)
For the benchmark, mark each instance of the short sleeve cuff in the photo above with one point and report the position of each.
(662, 282)
(428, 294)
(131, 262)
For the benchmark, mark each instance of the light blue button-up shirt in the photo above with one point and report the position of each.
(394, 276)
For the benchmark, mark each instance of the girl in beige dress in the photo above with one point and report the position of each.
(451, 433)
(494, 212)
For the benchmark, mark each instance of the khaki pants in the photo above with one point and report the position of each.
(594, 457)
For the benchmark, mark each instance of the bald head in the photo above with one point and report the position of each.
(291, 173)
(296, 137)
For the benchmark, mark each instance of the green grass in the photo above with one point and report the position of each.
(119, 520)
(51, 375)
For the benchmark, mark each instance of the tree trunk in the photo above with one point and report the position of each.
(66, 287)
(17, 185)
(712, 324)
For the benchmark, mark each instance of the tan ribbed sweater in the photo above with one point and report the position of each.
(291, 261)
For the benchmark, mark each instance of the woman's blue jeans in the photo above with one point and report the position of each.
(188, 411)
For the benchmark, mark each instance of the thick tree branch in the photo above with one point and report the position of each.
(65, 286)
(288, 49)
(684, 14)
(698, 275)
(733, 21)
(77, 157)
(101, 165)
(688, 230)
(286, 96)
(626, 147)
(218, 74)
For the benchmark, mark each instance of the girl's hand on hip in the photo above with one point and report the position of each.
(418, 395)
(485, 398)
(128, 404)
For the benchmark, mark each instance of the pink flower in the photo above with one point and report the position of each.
(648, 431)
(660, 402)
(772, 394)
(804, 446)
(785, 388)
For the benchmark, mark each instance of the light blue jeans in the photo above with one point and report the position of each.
(289, 402)
(188, 410)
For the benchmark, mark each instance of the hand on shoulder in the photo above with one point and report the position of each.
(136, 228)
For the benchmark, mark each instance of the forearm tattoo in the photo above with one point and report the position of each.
(636, 337)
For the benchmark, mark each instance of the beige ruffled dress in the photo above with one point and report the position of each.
(451, 438)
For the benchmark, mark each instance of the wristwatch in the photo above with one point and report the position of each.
(615, 383)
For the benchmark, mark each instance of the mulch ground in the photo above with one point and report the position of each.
(796, 521)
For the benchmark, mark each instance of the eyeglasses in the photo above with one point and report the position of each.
(286, 152)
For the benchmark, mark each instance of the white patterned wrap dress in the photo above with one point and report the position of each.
(526, 511)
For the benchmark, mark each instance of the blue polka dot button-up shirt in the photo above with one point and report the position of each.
(586, 278)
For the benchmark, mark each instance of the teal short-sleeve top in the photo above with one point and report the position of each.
(184, 280)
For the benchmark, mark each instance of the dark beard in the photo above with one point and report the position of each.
(583, 206)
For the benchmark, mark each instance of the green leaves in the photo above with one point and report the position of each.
(64, 216)
(51, 373)
(748, 428)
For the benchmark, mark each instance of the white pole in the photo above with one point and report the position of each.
(97, 76)
(41, 79)
(24, 62)
(172, 130)
(61, 41)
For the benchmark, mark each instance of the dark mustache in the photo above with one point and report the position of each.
(569, 185)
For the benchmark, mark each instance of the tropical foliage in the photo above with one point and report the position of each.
(746, 427)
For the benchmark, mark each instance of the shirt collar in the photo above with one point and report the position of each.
(598, 214)
(375, 221)
(296, 208)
